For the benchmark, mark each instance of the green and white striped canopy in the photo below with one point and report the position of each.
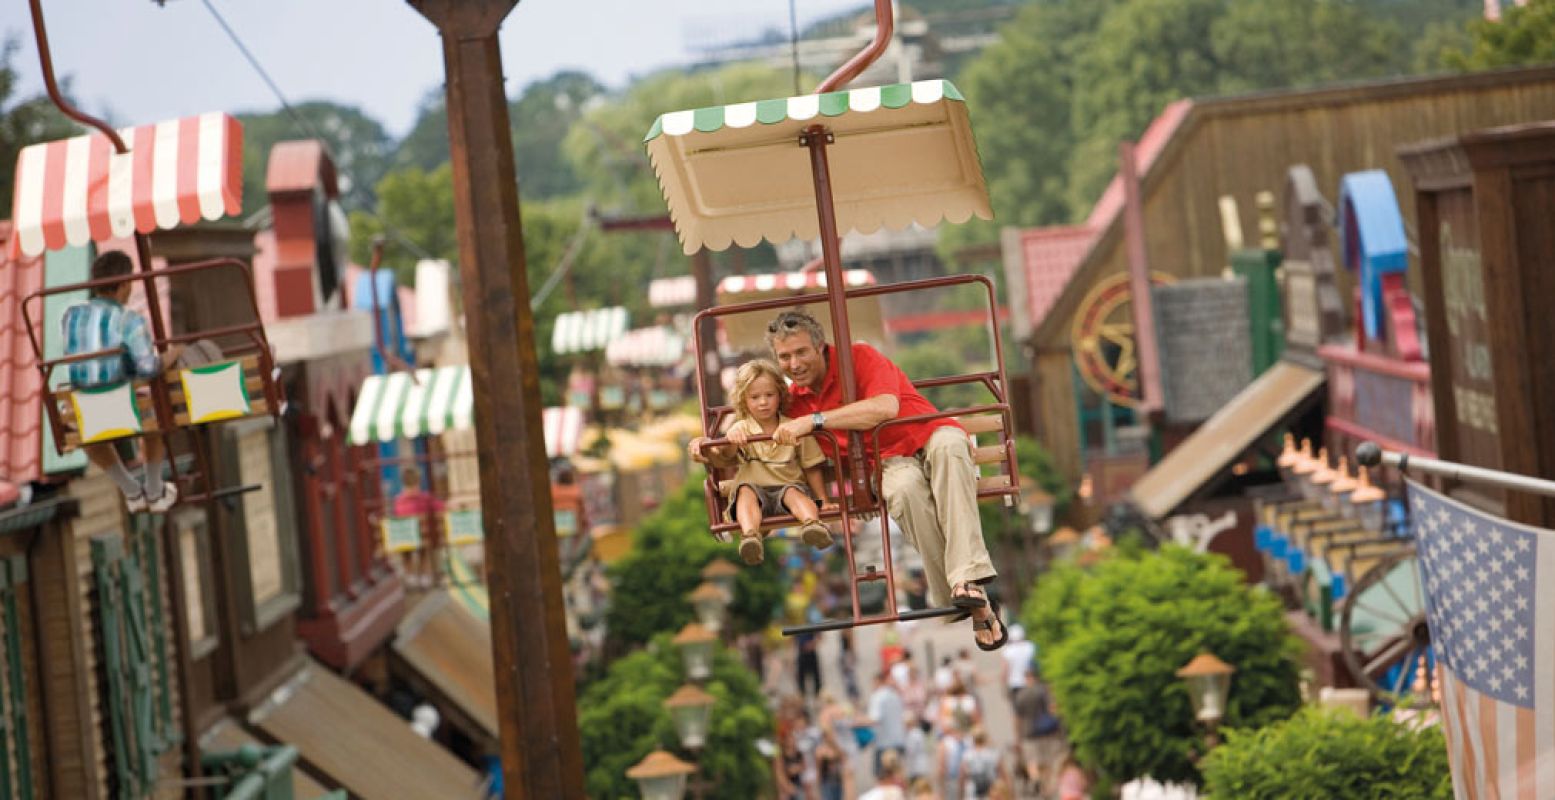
(737, 174)
(402, 405)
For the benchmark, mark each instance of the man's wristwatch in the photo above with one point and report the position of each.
(817, 421)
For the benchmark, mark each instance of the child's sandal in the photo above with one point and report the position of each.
(815, 533)
(751, 550)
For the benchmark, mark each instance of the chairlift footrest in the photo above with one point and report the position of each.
(843, 624)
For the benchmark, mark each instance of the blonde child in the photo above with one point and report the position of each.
(771, 478)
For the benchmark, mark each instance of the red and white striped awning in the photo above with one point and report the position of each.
(798, 282)
(563, 430)
(672, 292)
(72, 191)
(658, 346)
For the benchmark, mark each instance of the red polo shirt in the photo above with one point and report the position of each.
(876, 376)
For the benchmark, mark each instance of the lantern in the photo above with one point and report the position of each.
(661, 776)
(691, 708)
(1289, 457)
(696, 650)
(1037, 505)
(1209, 684)
(721, 573)
(709, 602)
(1338, 496)
(1366, 502)
(1307, 473)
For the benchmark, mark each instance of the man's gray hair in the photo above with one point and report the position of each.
(795, 321)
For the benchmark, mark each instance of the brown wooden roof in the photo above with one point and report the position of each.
(342, 732)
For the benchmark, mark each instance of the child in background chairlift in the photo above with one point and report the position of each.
(103, 323)
(771, 478)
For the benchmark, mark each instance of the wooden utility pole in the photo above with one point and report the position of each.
(538, 724)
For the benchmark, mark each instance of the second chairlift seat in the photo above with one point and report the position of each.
(885, 156)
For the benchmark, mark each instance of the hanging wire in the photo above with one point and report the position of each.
(307, 127)
(793, 42)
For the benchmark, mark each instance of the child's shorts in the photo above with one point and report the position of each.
(770, 497)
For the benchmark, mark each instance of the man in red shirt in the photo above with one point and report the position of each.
(927, 473)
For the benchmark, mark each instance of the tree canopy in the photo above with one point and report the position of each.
(621, 719)
(1330, 753)
(1113, 637)
(23, 121)
(1524, 36)
(669, 550)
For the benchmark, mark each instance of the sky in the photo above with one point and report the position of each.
(137, 63)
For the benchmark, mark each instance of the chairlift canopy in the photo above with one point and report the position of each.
(736, 174)
(177, 172)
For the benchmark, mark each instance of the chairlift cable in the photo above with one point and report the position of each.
(308, 128)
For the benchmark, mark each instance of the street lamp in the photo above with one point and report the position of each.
(1307, 471)
(691, 709)
(721, 573)
(661, 776)
(696, 650)
(710, 602)
(1338, 497)
(1037, 505)
(1209, 682)
(1366, 502)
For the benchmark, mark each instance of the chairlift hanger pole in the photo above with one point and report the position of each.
(816, 138)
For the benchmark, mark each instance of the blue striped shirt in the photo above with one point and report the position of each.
(102, 324)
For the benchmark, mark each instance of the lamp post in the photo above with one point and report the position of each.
(691, 709)
(710, 603)
(721, 573)
(1209, 684)
(661, 776)
(1037, 505)
(696, 650)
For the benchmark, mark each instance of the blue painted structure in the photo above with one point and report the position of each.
(1372, 239)
(392, 325)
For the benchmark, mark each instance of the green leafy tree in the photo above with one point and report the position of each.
(1330, 753)
(669, 550)
(1278, 44)
(23, 121)
(1113, 638)
(358, 144)
(1020, 91)
(416, 204)
(605, 145)
(1524, 36)
(621, 719)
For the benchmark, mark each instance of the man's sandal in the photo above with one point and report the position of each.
(750, 547)
(987, 625)
(815, 533)
(972, 596)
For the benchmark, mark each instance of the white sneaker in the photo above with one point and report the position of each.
(136, 504)
(166, 501)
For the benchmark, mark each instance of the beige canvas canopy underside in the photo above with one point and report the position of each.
(730, 176)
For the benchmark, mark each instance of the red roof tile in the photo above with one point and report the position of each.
(1051, 256)
(20, 410)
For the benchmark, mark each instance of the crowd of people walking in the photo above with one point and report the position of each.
(909, 732)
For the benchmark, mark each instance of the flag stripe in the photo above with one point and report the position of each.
(1525, 755)
(1494, 746)
(1544, 672)
(1468, 727)
(1452, 727)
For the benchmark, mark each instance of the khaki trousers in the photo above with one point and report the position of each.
(933, 496)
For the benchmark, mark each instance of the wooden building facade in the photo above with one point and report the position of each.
(1202, 150)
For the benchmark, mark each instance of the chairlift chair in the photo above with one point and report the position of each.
(883, 156)
(120, 184)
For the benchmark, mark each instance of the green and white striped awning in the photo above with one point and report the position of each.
(736, 174)
(402, 405)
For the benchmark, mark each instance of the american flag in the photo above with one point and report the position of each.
(1490, 603)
